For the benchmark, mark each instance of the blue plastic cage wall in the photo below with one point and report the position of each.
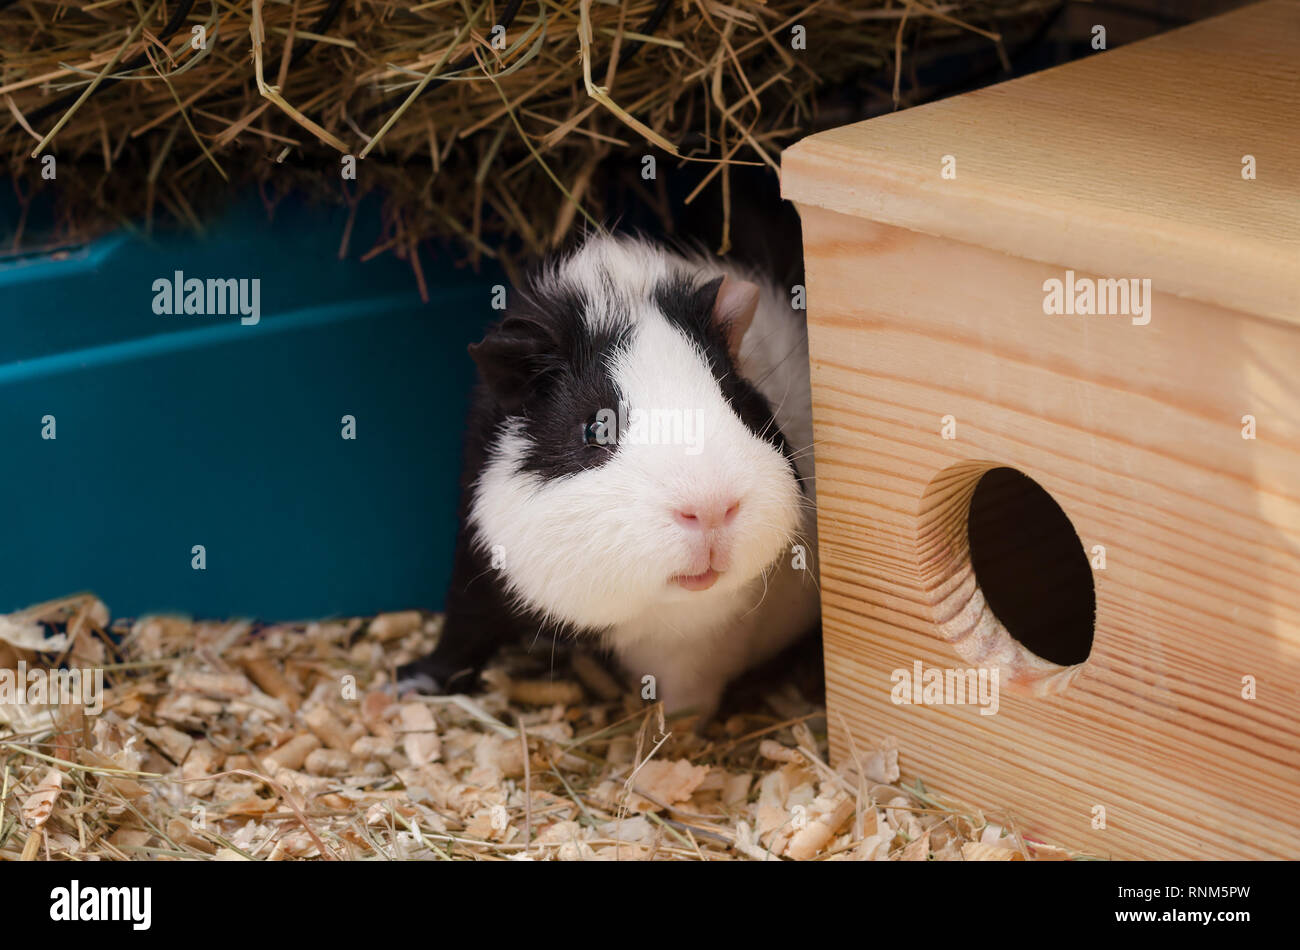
(177, 431)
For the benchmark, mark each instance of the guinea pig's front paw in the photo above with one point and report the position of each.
(411, 681)
(425, 675)
(408, 681)
(437, 675)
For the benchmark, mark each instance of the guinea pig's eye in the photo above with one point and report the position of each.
(594, 433)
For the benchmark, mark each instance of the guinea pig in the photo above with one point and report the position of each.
(638, 469)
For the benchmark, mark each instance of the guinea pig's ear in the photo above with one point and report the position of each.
(733, 310)
(511, 358)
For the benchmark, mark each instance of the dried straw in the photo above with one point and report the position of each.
(471, 131)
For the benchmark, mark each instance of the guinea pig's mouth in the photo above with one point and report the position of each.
(696, 581)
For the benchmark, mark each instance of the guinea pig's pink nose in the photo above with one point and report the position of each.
(707, 515)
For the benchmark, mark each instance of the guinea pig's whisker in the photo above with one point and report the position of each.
(800, 453)
(779, 363)
(482, 573)
(767, 337)
(762, 597)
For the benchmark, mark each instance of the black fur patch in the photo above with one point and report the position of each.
(689, 307)
(553, 372)
(557, 370)
(480, 616)
(570, 379)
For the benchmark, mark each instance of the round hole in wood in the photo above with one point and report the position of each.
(1007, 577)
(1031, 567)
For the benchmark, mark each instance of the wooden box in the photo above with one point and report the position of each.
(942, 244)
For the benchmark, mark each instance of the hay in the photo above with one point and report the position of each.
(233, 741)
(498, 145)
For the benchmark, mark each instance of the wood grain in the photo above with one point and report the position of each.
(1126, 162)
(1136, 432)
(926, 301)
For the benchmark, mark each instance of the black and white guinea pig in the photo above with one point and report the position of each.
(638, 469)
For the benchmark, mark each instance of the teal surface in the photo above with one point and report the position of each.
(183, 430)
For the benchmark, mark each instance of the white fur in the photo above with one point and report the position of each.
(599, 549)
